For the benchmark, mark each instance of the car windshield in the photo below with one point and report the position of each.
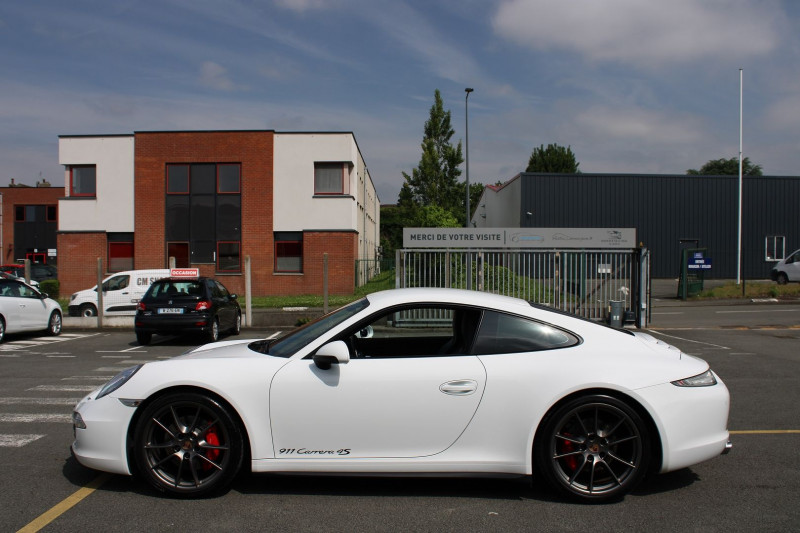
(170, 289)
(290, 343)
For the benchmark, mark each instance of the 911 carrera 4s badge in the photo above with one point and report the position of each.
(306, 451)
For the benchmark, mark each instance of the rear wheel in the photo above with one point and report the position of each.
(54, 324)
(593, 448)
(143, 338)
(213, 332)
(237, 324)
(188, 444)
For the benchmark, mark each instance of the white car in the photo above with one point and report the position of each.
(787, 270)
(414, 381)
(23, 308)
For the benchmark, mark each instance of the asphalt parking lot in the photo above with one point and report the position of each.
(754, 349)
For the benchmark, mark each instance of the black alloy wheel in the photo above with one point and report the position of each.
(237, 324)
(595, 448)
(188, 445)
(2, 329)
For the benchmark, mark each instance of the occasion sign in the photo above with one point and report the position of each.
(519, 238)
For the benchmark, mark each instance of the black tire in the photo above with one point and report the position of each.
(593, 448)
(143, 338)
(783, 279)
(54, 324)
(88, 310)
(237, 324)
(213, 331)
(188, 444)
(2, 329)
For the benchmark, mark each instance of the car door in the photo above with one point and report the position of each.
(397, 397)
(118, 297)
(792, 267)
(25, 309)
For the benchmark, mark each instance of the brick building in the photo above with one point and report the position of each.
(210, 199)
(28, 223)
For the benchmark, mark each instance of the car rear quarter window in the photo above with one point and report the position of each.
(501, 333)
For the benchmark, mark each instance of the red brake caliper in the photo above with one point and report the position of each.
(212, 455)
(566, 447)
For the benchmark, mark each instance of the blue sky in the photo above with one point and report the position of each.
(643, 86)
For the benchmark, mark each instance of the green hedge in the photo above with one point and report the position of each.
(51, 287)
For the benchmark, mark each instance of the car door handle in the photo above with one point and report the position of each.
(459, 387)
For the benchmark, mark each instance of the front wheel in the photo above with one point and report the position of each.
(88, 310)
(54, 324)
(188, 444)
(593, 448)
(783, 279)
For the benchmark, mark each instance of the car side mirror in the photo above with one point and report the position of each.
(333, 353)
(44, 295)
(234, 296)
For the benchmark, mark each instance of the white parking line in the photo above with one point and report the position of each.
(17, 441)
(39, 401)
(687, 340)
(26, 418)
(63, 388)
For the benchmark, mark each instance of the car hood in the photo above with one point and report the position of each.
(658, 346)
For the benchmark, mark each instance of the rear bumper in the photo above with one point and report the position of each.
(172, 324)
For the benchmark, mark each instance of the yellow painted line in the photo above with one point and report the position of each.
(766, 432)
(65, 505)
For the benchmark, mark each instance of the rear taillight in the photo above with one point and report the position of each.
(140, 306)
(202, 305)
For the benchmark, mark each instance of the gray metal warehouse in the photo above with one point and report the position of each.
(669, 212)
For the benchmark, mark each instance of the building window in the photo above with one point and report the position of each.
(228, 257)
(775, 248)
(120, 251)
(228, 179)
(19, 213)
(331, 178)
(180, 252)
(83, 180)
(52, 213)
(288, 251)
(203, 209)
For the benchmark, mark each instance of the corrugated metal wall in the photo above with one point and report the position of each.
(667, 208)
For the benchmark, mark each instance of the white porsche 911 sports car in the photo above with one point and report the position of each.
(414, 381)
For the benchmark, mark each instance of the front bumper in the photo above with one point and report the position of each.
(102, 445)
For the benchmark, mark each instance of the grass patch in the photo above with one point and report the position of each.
(383, 281)
(753, 289)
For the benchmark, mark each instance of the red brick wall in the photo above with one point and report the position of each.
(77, 260)
(14, 196)
(253, 149)
(342, 250)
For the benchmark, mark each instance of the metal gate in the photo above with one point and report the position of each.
(581, 282)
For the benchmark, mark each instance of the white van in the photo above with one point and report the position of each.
(121, 293)
(787, 270)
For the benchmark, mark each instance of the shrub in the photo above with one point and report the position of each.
(51, 287)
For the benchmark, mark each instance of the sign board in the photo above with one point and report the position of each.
(698, 262)
(516, 238)
(184, 272)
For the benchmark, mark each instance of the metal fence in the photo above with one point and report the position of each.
(582, 282)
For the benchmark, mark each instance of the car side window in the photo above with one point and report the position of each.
(223, 292)
(8, 289)
(418, 331)
(501, 333)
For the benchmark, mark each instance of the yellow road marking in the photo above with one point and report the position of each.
(65, 505)
(765, 432)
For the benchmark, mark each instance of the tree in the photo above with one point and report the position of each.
(726, 167)
(435, 180)
(553, 159)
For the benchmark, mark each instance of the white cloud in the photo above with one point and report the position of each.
(644, 33)
(301, 5)
(215, 76)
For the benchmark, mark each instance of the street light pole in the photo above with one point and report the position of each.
(466, 114)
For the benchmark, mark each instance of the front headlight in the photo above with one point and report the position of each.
(118, 381)
(706, 379)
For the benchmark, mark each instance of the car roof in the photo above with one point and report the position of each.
(452, 296)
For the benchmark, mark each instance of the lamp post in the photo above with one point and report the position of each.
(466, 114)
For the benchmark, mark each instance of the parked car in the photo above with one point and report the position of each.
(9, 275)
(178, 305)
(39, 271)
(787, 270)
(414, 381)
(121, 292)
(23, 308)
